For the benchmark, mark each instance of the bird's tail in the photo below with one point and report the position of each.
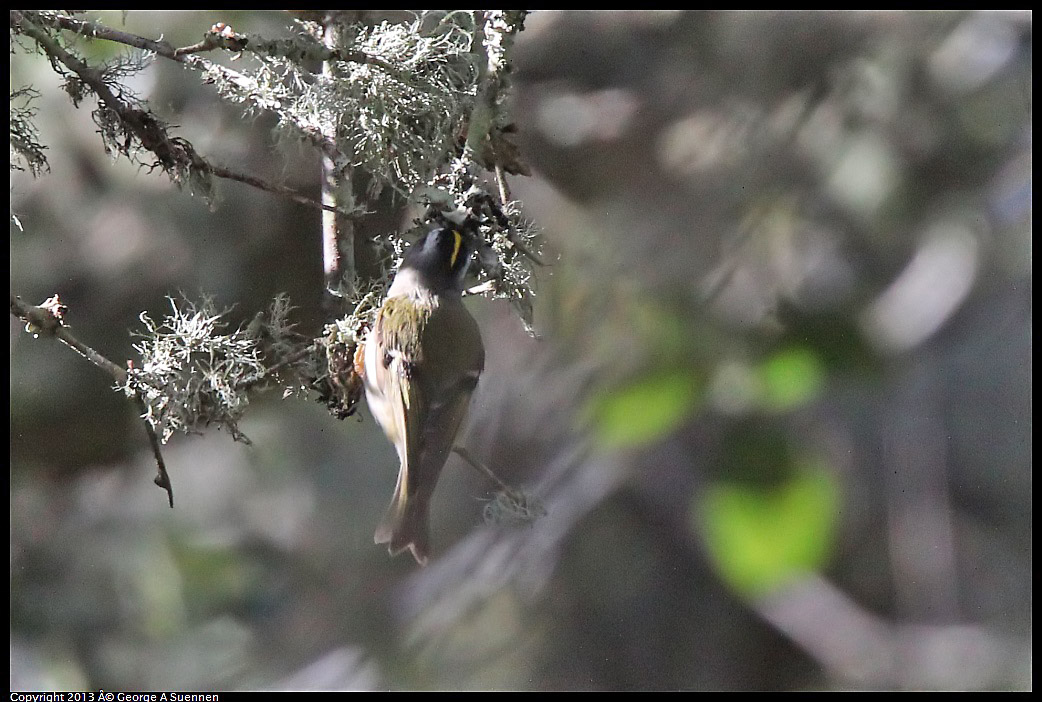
(406, 524)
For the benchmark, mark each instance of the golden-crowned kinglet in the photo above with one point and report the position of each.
(421, 364)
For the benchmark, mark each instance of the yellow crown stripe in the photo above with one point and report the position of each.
(458, 242)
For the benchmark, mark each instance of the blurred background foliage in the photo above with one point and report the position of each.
(779, 412)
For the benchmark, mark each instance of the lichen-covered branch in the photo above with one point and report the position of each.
(192, 371)
(494, 37)
(48, 319)
(126, 125)
(219, 36)
(507, 243)
(507, 506)
(26, 149)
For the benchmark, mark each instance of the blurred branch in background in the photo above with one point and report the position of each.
(857, 646)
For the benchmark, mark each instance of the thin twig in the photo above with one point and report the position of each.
(485, 470)
(274, 188)
(501, 182)
(207, 44)
(491, 42)
(221, 36)
(281, 365)
(508, 505)
(511, 232)
(481, 288)
(97, 31)
(47, 319)
(529, 254)
(162, 478)
(44, 321)
(213, 39)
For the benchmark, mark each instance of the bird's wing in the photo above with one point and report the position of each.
(405, 405)
(455, 359)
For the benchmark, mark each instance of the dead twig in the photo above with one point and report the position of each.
(48, 319)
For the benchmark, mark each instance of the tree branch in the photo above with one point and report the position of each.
(176, 155)
(162, 478)
(219, 36)
(338, 240)
(287, 362)
(49, 319)
(509, 504)
(492, 41)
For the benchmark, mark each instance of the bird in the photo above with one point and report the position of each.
(421, 363)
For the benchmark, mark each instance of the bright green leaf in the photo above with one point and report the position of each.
(791, 378)
(646, 409)
(760, 537)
